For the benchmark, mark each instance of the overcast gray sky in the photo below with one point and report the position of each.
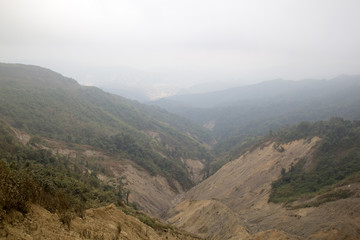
(250, 40)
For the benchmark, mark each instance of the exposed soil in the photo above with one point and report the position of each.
(209, 125)
(231, 204)
(101, 223)
(23, 137)
(194, 168)
(209, 219)
(244, 186)
(153, 194)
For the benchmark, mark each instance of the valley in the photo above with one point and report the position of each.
(81, 163)
(235, 114)
(236, 197)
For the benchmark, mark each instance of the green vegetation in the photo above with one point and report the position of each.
(57, 183)
(235, 151)
(46, 104)
(336, 158)
(243, 112)
(50, 106)
(54, 182)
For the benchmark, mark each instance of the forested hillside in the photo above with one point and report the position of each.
(35, 175)
(54, 193)
(236, 114)
(46, 104)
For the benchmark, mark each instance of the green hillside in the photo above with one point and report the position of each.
(244, 112)
(36, 176)
(54, 182)
(44, 103)
(336, 159)
(48, 106)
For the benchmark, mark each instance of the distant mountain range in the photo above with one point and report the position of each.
(236, 113)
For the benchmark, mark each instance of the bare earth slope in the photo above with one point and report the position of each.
(100, 223)
(152, 194)
(244, 185)
(245, 182)
(207, 219)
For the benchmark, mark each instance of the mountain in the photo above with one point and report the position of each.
(237, 113)
(312, 169)
(78, 162)
(113, 136)
(275, 89)
(55, 196)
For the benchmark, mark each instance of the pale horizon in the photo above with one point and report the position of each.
(171, 45)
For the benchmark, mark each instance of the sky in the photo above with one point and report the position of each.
(184, 41)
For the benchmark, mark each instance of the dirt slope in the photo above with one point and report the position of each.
(213, 220)
(246, 181)
(244, 185)
(101, 223)
(207, 219)
(153, 194)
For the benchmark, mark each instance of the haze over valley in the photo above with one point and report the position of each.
(179, 120)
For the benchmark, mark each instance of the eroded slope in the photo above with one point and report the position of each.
(246, 182)
(99, 223)
(244, 186)
(208, 219)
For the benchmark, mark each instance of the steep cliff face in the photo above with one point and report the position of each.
(243, 187)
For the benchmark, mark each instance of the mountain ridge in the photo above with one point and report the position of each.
(79, 147)
(243, 112)
(47, 106)
(232, 95)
